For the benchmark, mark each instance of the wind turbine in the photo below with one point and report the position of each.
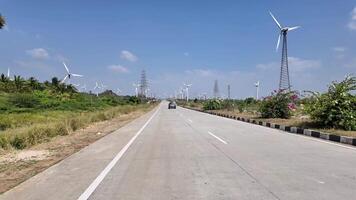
(8, 73)
(284, 82)
(76, 85)
(96, 87)
(103, 86)
(136, 86)
(118, 91)
(257, 85)
(187, 90)
(69, 75)
(84, 87)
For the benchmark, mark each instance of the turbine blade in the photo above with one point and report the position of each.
(275, 20)
(64, 79)
(78, 75)
(279, 40)
(293, 28)
(8, 72)
(65, 66)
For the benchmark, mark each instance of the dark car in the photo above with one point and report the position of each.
(172, 105)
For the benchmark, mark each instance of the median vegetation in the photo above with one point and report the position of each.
(333, 110)
(33, 112)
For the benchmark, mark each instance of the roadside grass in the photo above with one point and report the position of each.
(24, 130)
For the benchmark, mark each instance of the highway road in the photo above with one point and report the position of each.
(184, 154)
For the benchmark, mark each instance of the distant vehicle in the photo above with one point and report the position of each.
(172, 105)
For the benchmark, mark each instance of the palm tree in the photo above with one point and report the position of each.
(33, 83)
(2, 21)
(3, 78)
(18, 80)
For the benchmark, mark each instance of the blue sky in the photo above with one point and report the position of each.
(180, 41)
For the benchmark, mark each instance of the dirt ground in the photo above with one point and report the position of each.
(17, 166)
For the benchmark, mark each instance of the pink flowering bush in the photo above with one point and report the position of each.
(280, 104)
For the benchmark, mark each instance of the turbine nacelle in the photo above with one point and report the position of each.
(69, 75)
(283, 30)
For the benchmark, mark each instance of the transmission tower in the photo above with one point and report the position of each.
(216, 89)
(284, 82)
(143, 84)
(228, 91)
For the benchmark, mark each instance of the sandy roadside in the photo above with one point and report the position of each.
(17, 166)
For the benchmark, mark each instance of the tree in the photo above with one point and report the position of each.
(33, 83)
(55, 81)
(2, 22)
(18, 80)
(3, 78)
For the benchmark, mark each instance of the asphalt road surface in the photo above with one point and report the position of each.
(184, 154)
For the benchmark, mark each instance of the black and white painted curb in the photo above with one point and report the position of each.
(290, 129)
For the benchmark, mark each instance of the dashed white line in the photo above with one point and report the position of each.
(86, 194)
(189, 120)
(221, 140)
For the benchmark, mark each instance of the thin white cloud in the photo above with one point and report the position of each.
(127, 55)
(201, 72)
(352, 23)
(339, 49)
(118, 68)
(38, 53)
(295, 65)
(6, 28)
(30, 64)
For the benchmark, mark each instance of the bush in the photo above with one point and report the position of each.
(228, 105)
(213, 104)
(337, 107)
(24, 100)
(278, 105)
(19, 142)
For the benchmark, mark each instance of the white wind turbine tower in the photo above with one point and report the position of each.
(284, 82)
(257, 85)
(96, 88)
(187, 86)
(181, 93)
(69, 75)
(136, 86)
(8, 73)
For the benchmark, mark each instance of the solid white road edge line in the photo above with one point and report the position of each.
(283, 132)
(221, 140)
(86, 194)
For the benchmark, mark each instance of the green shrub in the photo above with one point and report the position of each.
(24, 100)
(4, 142)
(337, 107)
(212, 104)
(19, 141)
(278, 105)
(134, 100)
(227, 104)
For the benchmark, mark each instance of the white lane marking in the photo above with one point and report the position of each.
(283, 132)
(221, 140)
(189, 120)
(86, 194)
